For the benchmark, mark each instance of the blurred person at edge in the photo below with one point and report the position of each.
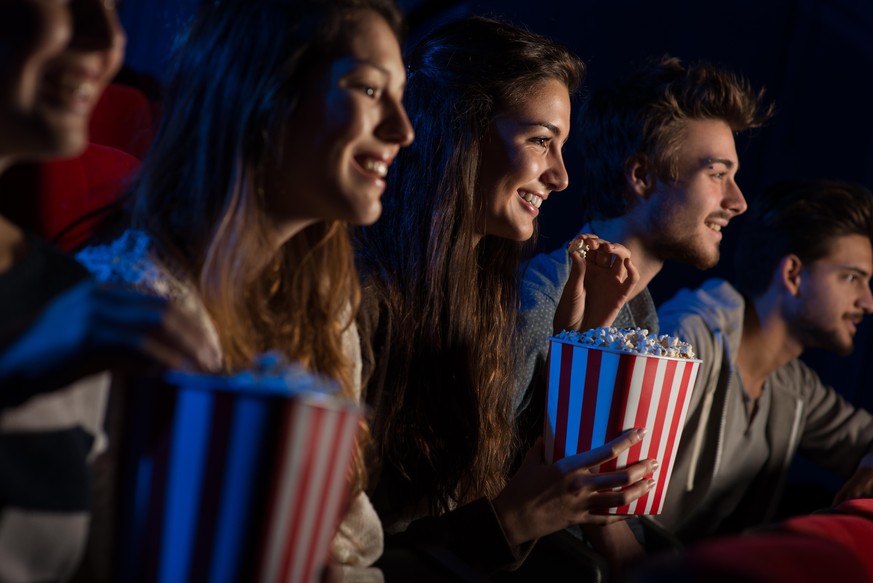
(57, 327)
(281, 121)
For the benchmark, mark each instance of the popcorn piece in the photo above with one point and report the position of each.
(633, 340)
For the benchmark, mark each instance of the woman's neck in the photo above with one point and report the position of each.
(281, 234)
(476, 239)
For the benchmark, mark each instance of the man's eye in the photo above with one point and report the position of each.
(368, 90)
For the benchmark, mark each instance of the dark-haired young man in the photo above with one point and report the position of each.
(804, 264)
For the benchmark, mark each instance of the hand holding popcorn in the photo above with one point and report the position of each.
(602, 278)
(542, 498)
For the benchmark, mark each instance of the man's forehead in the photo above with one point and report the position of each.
(853, 251)
(708, 139)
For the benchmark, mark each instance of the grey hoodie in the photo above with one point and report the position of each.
(803, 415)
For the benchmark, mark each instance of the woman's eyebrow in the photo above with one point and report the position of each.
(551, 127)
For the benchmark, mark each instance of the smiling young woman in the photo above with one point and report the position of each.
(280, 122)
(522, 161)
(490, 104)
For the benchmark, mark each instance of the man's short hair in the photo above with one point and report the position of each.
(801, 218)
(646, 114)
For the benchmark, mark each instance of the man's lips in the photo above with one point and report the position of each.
(854, 321)
(715, 224)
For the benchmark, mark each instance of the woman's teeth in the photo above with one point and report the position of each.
(533, 199)
(377, 167)
(71, 85)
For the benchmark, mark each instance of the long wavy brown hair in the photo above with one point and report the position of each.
(447, 427)
(200, 193)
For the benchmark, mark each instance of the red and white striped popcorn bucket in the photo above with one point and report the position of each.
(229, 479)
(594, 394)
(309, 489)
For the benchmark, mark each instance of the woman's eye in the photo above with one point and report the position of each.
(540, 141)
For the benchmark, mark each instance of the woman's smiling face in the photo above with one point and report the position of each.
(57, 58)
(522, 161)
(345, 133)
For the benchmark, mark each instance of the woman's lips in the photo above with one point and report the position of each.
(373, 167)
(531, 201)
(377, 167)
(75, 92)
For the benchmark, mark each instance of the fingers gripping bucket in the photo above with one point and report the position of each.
(233, 478)
(594, 394)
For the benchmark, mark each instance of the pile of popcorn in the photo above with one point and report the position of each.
(270, 373)
(635, 340)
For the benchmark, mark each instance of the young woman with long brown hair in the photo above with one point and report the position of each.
(280, 124)
(490, 104)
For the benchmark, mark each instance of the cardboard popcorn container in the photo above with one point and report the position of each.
(596, 393)
(234, 478)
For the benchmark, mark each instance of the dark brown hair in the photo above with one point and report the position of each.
(448, 426)
(801, 218)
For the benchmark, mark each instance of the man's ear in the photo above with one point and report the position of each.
(639, 175)
(789, 273)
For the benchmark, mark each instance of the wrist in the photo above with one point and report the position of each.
(509, 520)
